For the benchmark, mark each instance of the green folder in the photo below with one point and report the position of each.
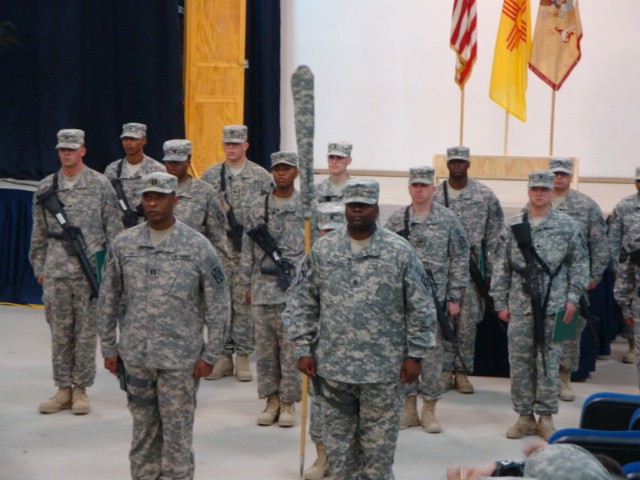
(565, 331)
(100, 258)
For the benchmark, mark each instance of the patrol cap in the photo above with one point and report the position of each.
(290, 158)
(235, 134)
(542, 178)
(361, 191)
(561, 165)
(176, 150)
(421, 175)
(637, 177)
(70, 138)
(458, 153)
(564, 461)
(161, 182)
(330, 216)
(339, 149)
(134, 130)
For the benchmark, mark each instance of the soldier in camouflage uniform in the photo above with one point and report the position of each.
(238, 182)
(338, 160)
(163, 284)
(198, 206)
(481, 215)
(89, 204)
(562, 262)
(624, 217)
(281, 211)
(133, 166)
(365, 296)
(587, 214)
(438, 238)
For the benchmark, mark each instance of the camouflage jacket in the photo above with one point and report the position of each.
(369, 310)
(160, 298)
(324, 193)
(441, 245)
(89, 205)
(481, 216)
(133, 185)
(286, 226)
(199, 208)
(587, 214)
(560, 244)
(624, 216)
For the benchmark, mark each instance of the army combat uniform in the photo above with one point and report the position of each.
(327, 191)
(159, 298)
(370, 311)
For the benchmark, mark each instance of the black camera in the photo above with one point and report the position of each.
(509, 468)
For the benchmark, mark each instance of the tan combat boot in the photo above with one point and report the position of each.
(526, 425)
(545, 426)
(630, 356)
(79, 401)
(462, 383)
(222, 368)
(566, 390)
(448, 379)
(320, 467)
(428, 420)
(271, 411)
(409, 415)
(287, 414)
(60, 401)
(243, 370)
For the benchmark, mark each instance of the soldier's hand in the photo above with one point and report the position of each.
(570, 311)
(40, 279)
(247, 297)
(453, 308)
(111, 364)
(307, 365)
(410, 370)
(592, 284)
(203, 369)
(505, 315)
(629, 321)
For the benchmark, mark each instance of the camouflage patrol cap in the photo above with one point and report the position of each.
(71, 138)
(458, 153)
(340, 149)
(161, 182)
(134, 130)
(637, 177)
(563, 461)
(235, 134)
(330, 216)
(421, 175)
(542, 178)
(561, 165)
(290, 158)
(361, 191)
(176, 150)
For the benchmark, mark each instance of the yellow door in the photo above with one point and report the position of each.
(214, 75)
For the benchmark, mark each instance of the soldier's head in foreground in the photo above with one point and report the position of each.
(458, 162)
(361, 207)
(159, 199)
(134, 138)
(284, 169)
(540, 188)
(421, 187)
(177, 157)
(71, 149)
(562, 169)
(330, 217)
(339, 157)
(235, 143)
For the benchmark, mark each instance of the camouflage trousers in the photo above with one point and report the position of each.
(161, 446)
(471, 313)
(362, 445)
(71, 316)
(570, 357)
(276, 361)
(316, 419)
(636, 329)
(531, 390)
(430, 386)
(240, 339)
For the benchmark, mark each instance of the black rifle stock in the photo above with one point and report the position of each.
(129, 216)
(235, 230)
(71, 237)
(284, 268)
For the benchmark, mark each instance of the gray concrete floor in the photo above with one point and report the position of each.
(228, 443)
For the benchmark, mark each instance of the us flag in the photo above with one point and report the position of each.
(464, 38)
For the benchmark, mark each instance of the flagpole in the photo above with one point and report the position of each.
(505, 147)
(553, 116)
(461, 115)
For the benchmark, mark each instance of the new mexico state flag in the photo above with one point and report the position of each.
(511, 57)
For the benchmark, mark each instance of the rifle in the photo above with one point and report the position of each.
(130, 217)
(235, 229)
(71, 236)
(284, 268)
(483, 290)
(532, 283)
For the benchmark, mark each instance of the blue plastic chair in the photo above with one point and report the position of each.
(608, 411)
(623, 446)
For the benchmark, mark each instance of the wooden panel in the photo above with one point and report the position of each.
(494, 167)
(214, 75)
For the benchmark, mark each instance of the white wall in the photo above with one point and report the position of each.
(384, 81)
